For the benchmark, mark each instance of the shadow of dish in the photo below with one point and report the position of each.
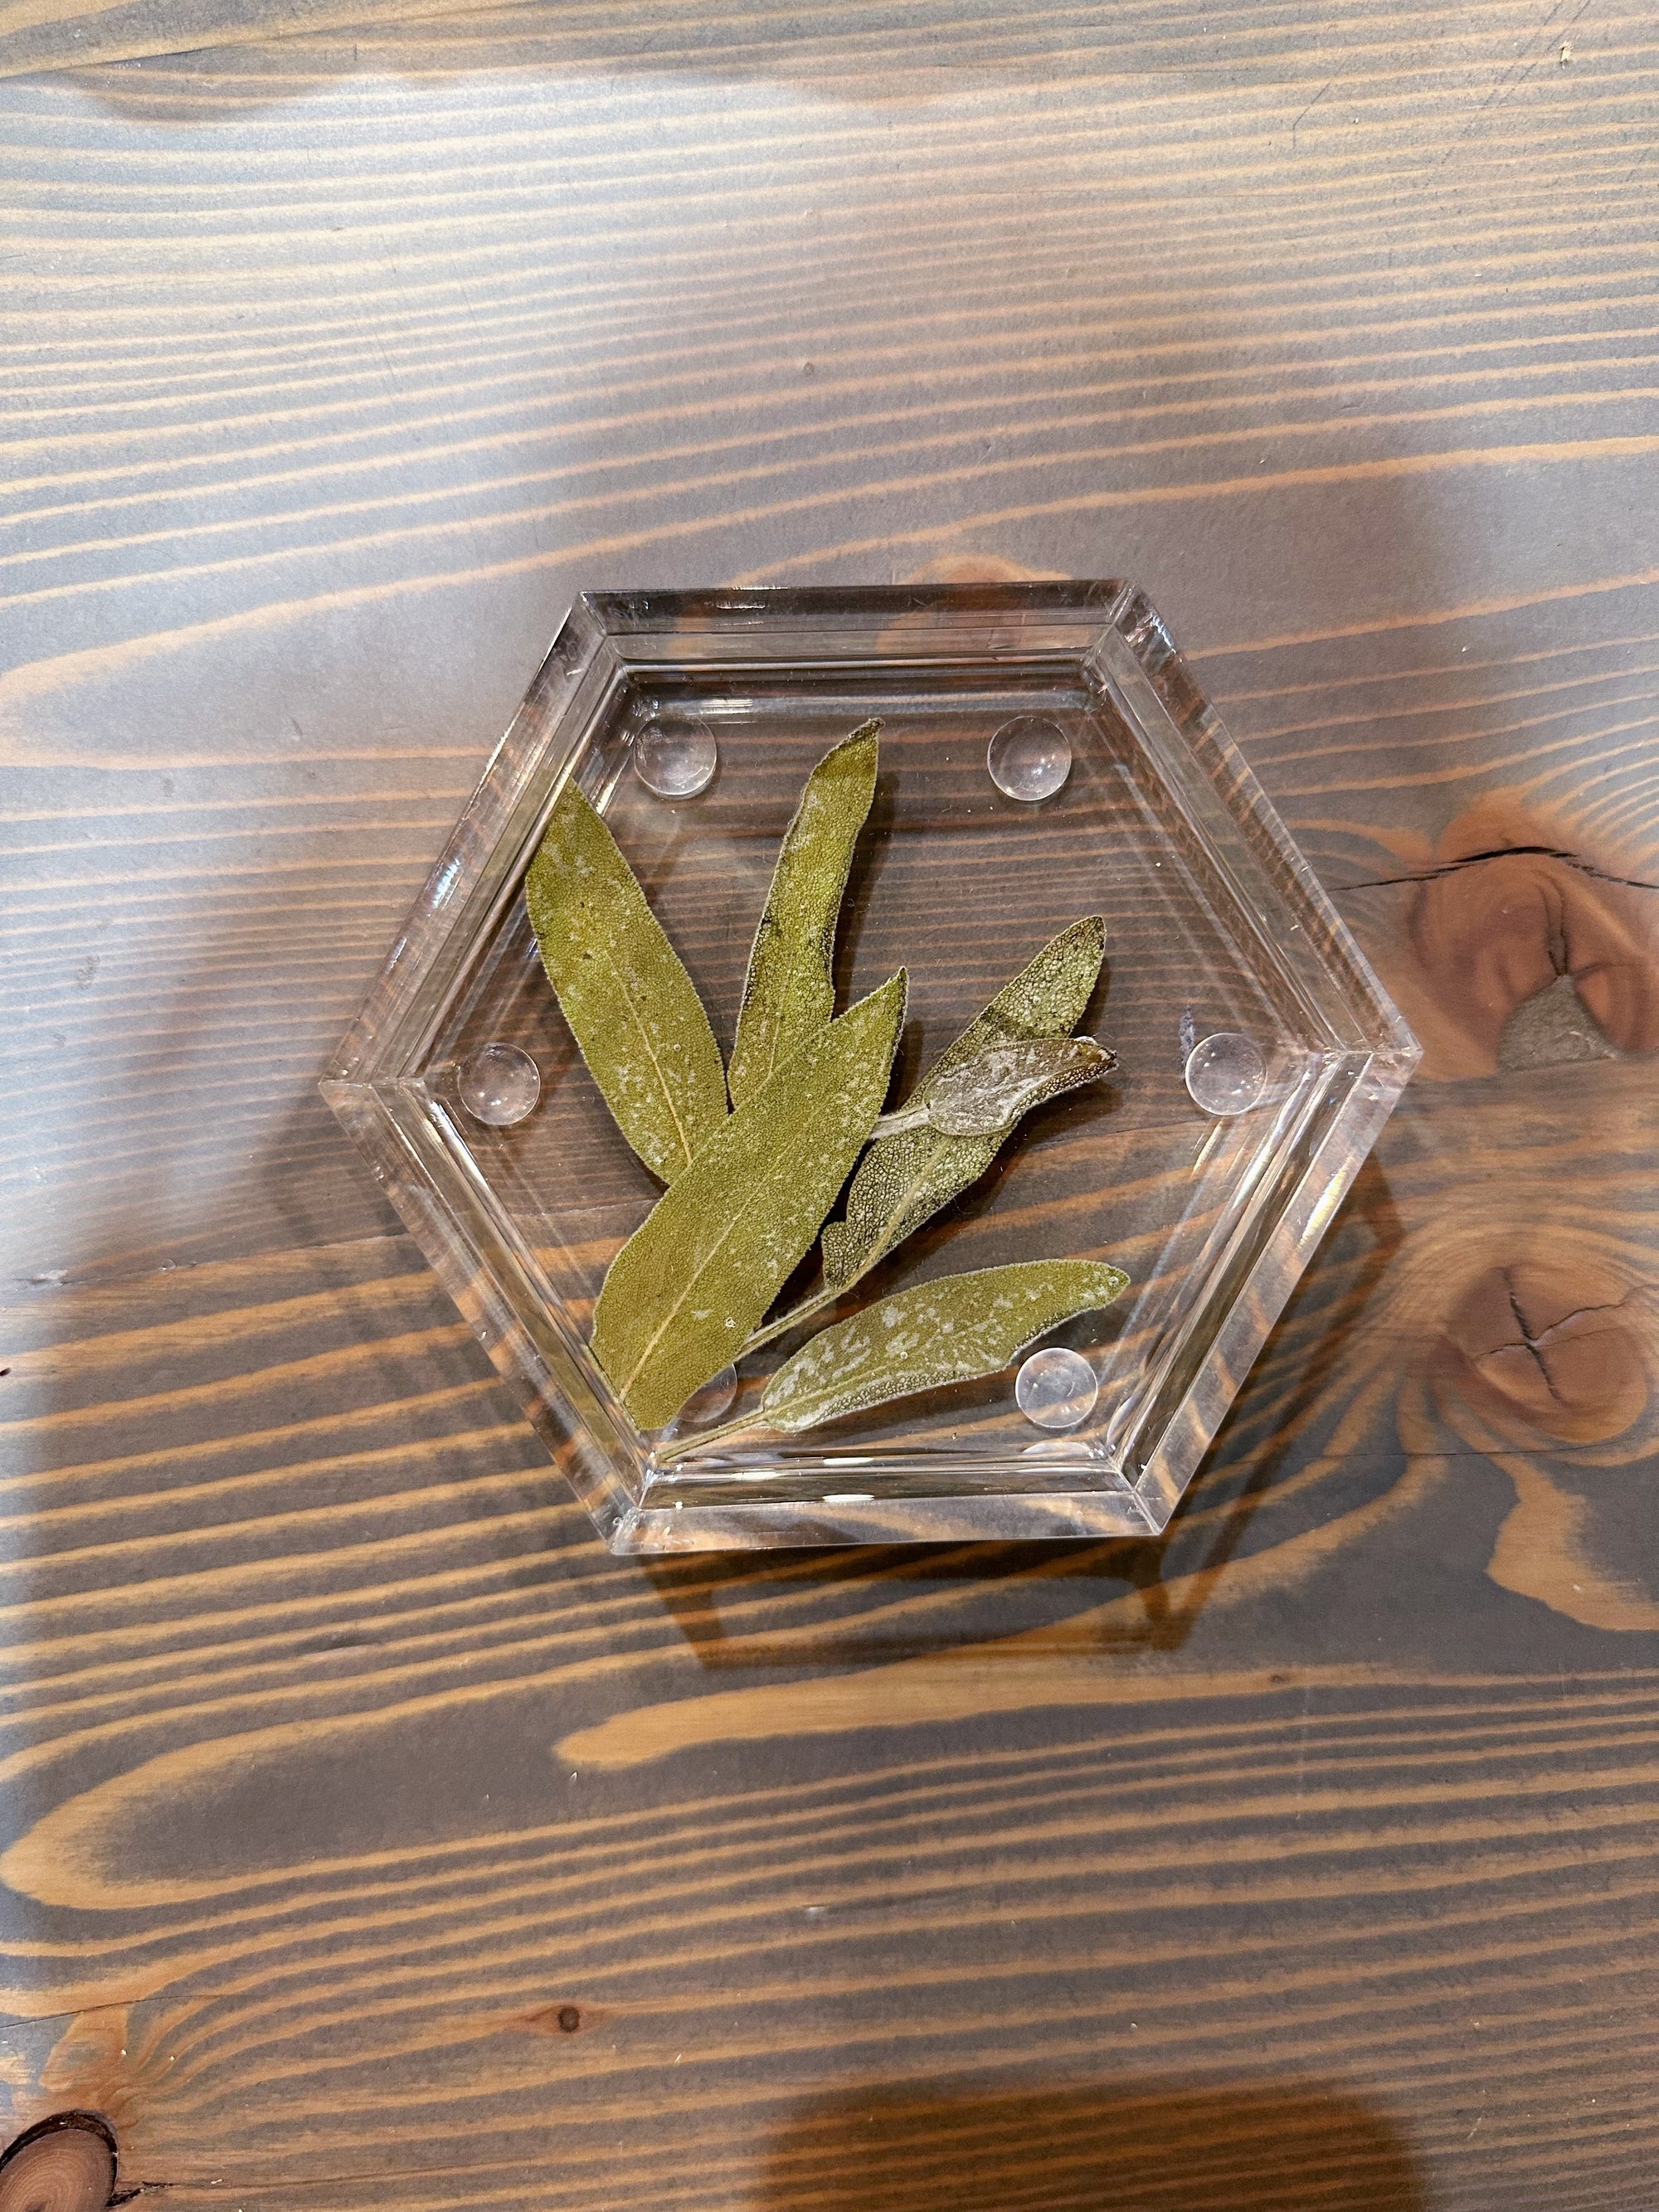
(1265, 2147)
(1308, 1423)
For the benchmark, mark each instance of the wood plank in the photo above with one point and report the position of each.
(316, 361)
(369, 1835)
(342, 1762)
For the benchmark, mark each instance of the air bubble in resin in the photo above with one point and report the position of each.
(1056, 1388)
(1029, 757)
(499, 1085)
(676, 760)
(1226, 1074)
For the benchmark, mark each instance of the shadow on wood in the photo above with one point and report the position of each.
(1265, 2147)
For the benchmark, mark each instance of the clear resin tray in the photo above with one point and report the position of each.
(1045, 754)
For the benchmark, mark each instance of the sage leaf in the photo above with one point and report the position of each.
(790, 989)
(905, 1178)
(688, 1285)
(632, 1008)
(990, 1092)
(952, 1330)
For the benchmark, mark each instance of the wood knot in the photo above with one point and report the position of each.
(1496, 933)
(66, 2164)
(1508, 907)
(1554, 1352)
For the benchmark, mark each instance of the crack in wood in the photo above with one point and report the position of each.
(1500, 852)
(1527, 1339)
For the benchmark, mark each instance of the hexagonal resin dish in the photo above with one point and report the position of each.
(1045, 754)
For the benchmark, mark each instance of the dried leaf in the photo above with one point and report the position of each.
(904, 1179)
(691, 1282)
(790, 989)
(632, 1008)
(988, 1093)
(952, 1330)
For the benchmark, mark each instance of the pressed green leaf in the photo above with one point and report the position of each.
(905, 1178)
(790, 990)
(952, 1330)
(692, 1281)
(632, 1008)
(988, 1093)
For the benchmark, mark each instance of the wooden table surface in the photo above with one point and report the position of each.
(371, 1838)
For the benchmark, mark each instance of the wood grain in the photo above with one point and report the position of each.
(495, 324)
(49, 35)
(372, 1838)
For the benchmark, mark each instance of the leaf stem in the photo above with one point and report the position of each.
(683, 1445)
(770, 1330)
